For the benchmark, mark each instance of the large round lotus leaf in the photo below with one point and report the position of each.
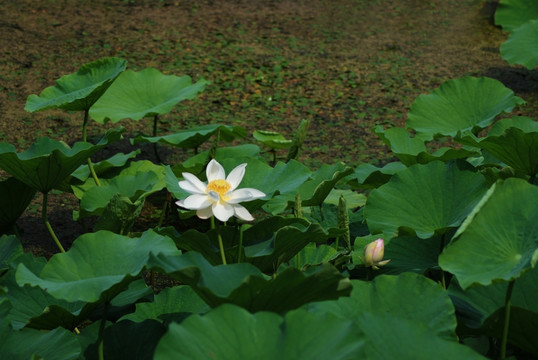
(522, 47)
(78, 91)
(499, 240)
(135, 95)
(400, 296)
(511, 14)
(426, 199)
(460, 105)
(230, 332)
(97, 266)
(48, 162)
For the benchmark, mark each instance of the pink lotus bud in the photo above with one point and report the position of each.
(373, 254)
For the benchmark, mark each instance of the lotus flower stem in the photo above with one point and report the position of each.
(240, 248)
(90, 165)
(47, 224)
(221, 246)
(507, 304)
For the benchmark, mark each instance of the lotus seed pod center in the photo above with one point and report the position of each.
(219, 186)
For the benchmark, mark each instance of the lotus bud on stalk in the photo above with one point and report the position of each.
(373, 254)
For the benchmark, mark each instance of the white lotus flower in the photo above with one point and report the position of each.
(219, 196)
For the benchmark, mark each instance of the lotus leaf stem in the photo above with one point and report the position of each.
(90, 165)
(507, 305)
(47, 223)
(240, 248)
(101, 332)
(155, 122)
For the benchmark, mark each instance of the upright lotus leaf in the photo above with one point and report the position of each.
(194, 137)
(78, 91)
(244, 285)
(460, 105)
(514, 147)
(48, 162)
(313, 254)
(384, 295)
(481, 309)
(426, 199)
(58, 344)
(272, 139)
(367, 176)
(511, 14)
(499, 240)
(521, 46)
(170, 304)
(135, 95)
(15, 196)
(96, 267)
(230, 332)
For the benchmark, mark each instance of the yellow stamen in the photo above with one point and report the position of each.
(219, 186)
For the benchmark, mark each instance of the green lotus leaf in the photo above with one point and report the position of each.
(523, 123)
(230, 332)
(15, 196)
(390, 337)
(244, 284)
(384, 295)
(412, 150)
(313, 254)
(511, 14)
(272, 139)
(48, 162)
(266, 244)
(515, 147)
(78, 91)
(481, 309)
(313, 192)
(521, 47)
(170, 304)
(135, 95)
(58, 344)
(411, 254)
(35, 308)
(460, 105)
(499, 239)
(10, 249)
(135, 187)
(116, 161)
(96, 266)
(195, 136)
(426, 199)
(368, 176)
